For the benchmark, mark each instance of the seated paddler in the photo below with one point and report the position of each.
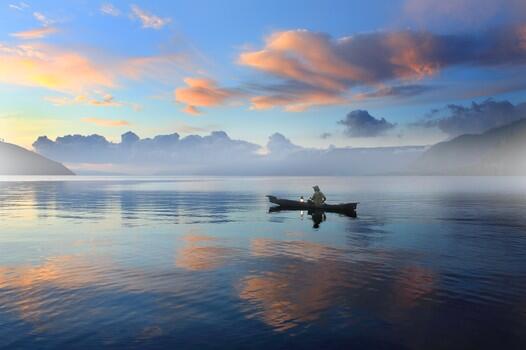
(318, 198)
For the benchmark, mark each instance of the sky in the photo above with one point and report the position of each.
(345, 73)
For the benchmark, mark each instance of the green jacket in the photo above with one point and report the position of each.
(318, 198)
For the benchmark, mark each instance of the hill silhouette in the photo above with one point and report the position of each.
(15, 160)
(498, 151)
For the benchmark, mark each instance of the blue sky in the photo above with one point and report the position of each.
(126, 65)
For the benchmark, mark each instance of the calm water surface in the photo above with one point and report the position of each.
(185, 262)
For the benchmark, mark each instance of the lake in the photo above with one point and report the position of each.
(199, 262)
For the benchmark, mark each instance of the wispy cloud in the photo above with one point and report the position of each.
(202, 92)
(21, 6)
(296, 100)
(37, 33)
(106, 100)
(45, 21)
(101, 99)
(77, 74)
(106, 122)
(148, 20)
(162, 68)
(110, 10)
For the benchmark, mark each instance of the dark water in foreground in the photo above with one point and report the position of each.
(181, 262)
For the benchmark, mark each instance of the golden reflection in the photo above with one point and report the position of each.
(198, 254)
(64, 272)
(302, 291)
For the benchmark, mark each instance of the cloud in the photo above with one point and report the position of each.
(106, 100)
(37, 33)
(202, 92)
(319, 69)
(148, 20)
(161, 68)
(187, 154)
(77, 75)
(45, 21)
(463, 13)
(397, 91)
(325, 135)
(296, 101)
(21, 6)
(456, 120)
(360, 123)
(218, 154)
(110, 10)
(279, 145)
(106, 122)
(44, 66)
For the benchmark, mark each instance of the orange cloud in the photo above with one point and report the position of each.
(37, 33)
(202, 92)
(45, 66)
(298, 102)
(323, 63)
(319, 70)
(303, 56)
(106, 122)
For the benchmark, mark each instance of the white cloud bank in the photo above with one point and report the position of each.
(218, 154)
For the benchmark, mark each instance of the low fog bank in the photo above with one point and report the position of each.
(218, 154)
(498, 151)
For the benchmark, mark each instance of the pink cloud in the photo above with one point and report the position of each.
(202, 92)
(37, 33)
(296, 102)
(316, 69)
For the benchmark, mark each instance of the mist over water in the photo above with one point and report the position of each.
(429, 262)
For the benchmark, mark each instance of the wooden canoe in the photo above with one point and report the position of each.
(287, 204)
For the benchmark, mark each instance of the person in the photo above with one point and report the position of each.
(302, 199)
(318, 198)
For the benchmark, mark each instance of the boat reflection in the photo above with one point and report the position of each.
(317, 216)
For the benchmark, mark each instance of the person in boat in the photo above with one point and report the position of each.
(318, 198)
